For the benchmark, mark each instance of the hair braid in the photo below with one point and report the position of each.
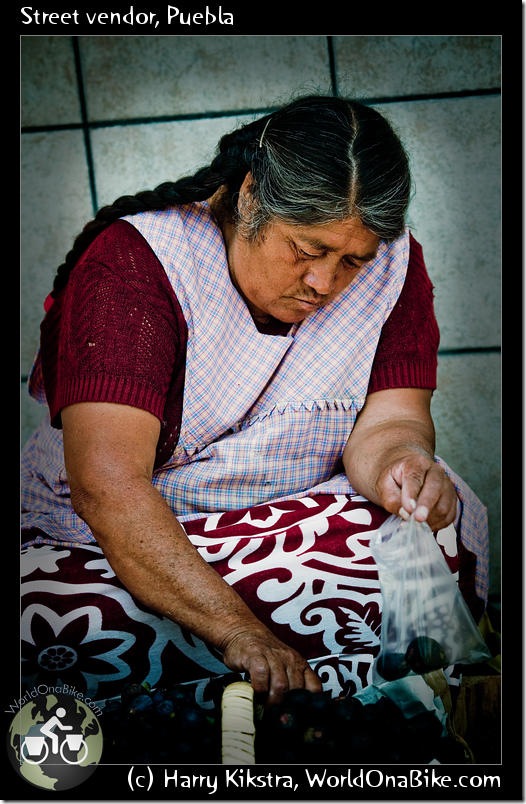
(229, 167)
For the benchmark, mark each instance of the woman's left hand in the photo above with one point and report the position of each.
(416, 484)
(389, 458)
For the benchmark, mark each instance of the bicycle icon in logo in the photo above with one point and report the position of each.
(35, 747)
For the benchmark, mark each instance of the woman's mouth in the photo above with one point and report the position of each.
(308, 304)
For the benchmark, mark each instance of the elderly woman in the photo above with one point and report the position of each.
(239, 368)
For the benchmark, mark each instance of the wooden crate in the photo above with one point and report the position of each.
(477, 716)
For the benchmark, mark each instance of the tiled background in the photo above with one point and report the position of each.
(107, 115)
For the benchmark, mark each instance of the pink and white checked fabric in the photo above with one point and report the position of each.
(263, 417)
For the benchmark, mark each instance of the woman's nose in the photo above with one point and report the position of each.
(321, 277)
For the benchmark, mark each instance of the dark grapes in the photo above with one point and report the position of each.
(164, 725)
(140, 703)
(168, 725)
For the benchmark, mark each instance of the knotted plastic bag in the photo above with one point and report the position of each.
(426, 623)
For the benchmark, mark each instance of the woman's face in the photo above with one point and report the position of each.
(290, 271)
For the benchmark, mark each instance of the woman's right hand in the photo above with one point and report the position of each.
(273, 667)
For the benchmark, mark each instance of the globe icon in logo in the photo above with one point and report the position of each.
(55, 741)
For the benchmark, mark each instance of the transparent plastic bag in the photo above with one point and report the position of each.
(426, 623)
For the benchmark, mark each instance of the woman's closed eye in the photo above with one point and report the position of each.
(306, 255)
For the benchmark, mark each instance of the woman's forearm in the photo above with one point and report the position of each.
(370, 450)
(153, 557)
(109, 451)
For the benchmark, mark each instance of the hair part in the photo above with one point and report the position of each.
(326, 159)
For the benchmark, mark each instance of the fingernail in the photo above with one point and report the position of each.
(422, 513)
(412, 504)
(402, 513)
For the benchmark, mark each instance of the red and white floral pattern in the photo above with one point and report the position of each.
(304, 566)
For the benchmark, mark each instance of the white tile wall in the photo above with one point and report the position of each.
(49, 89)
(467, 410)
(154, 153)
(454, 146)
(55, 204)
(153, 76)
(379, 66)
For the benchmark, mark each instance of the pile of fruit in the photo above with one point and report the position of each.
(145, 726)
(313, 728)
(167, 725)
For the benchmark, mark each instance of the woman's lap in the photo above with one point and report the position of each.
(303, 566)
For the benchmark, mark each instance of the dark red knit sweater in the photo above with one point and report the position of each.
(116, 333)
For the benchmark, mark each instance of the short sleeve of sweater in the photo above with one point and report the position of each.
(116, 332)
(406, 356)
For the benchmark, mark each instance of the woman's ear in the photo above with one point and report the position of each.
(245, 199)
(245, 190)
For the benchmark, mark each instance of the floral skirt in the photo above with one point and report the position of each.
(303, 566)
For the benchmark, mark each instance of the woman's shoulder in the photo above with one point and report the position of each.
(118, 234)
(123, 259)
(417, 269)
